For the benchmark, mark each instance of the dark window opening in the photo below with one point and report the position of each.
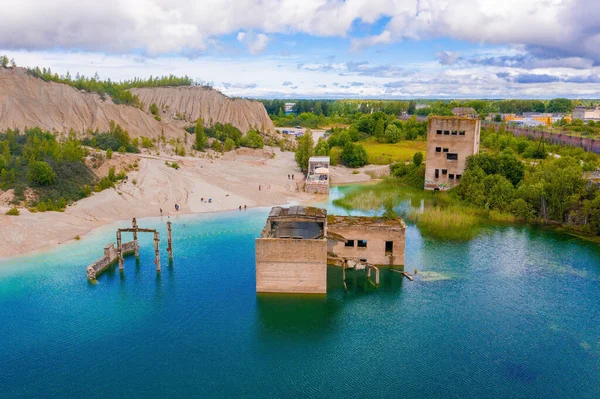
(439, 132)
(445, 150)
(362, 243)
(438, 149)
(452, 157)
(461, 133)
(454, 132)
(458, 177)
(389, 247)
(451, 176)
(444, 171)
(363, 260)
(437, 173)
(436, 189)
(447, 132)
(349, 243)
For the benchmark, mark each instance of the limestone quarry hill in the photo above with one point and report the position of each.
(193, 102)
(27, 101)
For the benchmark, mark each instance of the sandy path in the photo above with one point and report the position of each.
(230, 181)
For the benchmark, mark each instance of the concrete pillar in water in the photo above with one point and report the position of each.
(157, 252)
(169, 241)
(119, 250)
(135, 238)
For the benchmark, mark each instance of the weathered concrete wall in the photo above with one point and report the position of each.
(110, 256)
(317, 188)
(450, 141)
(291, 266)
(376, 238)
(588, 144)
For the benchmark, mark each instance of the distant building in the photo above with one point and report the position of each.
(288, 108)
(464, 111)
(317, 178)
(587, 113)
(450, 140)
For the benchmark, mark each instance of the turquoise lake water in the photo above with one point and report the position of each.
(514, 313)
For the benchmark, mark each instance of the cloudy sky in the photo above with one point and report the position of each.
(320, 48)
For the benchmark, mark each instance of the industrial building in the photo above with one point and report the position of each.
(450, 140)
(297, 244)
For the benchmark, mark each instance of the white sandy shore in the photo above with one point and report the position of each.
(230, 181)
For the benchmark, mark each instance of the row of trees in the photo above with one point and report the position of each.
(353, 155)
(226, 137)
(314, 113)
(118, 91)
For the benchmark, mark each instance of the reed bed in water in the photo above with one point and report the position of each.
(447, 223)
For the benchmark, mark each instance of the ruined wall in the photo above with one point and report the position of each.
(291, 266)
(110, 256)
(376, 237)
(317, 188)
(458, 136)
(588, 144)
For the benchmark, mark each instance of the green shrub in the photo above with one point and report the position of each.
(354, 155)
(13, 212)
(41, 174)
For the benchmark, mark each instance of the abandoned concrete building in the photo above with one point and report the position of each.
(298, 243)
(317, 178)
(450, 140)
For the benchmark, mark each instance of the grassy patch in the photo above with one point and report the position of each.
(383, 154)
(454, 223)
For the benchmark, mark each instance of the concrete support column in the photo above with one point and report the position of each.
(156, 252)
(135, 238)
(119, 250)
(169, 241)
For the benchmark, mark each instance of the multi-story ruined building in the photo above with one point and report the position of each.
(297, 243)
(450, 140)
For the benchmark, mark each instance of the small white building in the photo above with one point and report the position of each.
(317, 178)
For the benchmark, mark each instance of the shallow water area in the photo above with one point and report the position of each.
(511, 314)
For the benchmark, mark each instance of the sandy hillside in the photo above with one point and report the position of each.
(27, 101)
(193, 102)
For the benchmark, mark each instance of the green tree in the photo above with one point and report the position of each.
(4, 61)
(560, 105)
(153, 109)
(393, 134)
(418, 159)
(322, 148)
(498, 191)
(380, 129)
(229, 144)
(471, 188)
(41, 173)
(304, 151)
(253, 139)
(354, 155)
(200, 135)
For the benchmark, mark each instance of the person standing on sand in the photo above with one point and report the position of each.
(292, 177)
(176, 207)
(244, 206)
(259, 187)
(160, 211)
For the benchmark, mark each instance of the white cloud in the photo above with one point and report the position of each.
(568, 27)
(257, 43)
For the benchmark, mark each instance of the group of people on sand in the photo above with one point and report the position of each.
(291, 176)
(244, 207)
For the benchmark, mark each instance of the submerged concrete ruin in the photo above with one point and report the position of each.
(297, 244)
(112, 254)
